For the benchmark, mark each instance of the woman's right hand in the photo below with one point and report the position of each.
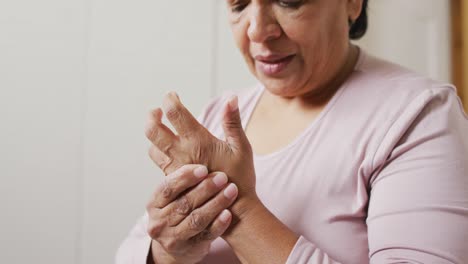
(187, 212)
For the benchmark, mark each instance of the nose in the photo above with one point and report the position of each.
(263, 25)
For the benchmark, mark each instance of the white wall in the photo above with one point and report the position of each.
(41, 106)
(416, 34)
(138, 50)
(77, 79)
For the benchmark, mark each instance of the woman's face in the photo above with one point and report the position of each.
(293, 46)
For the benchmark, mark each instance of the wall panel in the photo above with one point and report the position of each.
(41, 82)
(415, 34)
(139, 50)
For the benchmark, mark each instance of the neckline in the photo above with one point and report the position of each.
(260, 89)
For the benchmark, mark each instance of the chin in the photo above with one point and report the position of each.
(280, 86)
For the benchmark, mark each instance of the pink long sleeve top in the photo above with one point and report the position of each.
(381, 176)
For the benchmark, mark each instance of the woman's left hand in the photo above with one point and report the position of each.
(194, 144)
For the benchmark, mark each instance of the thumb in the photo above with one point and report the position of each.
(232, 124)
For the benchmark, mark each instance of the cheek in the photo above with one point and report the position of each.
(320, 42)
(239, 33)
(310, 41)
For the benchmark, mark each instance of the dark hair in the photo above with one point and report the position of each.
(358, 28)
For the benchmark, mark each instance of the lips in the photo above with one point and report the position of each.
(273, 64)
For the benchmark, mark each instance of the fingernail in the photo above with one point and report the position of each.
(233, 103)
(231, 191)
(225, 216)
(200, 172)
(220, 179)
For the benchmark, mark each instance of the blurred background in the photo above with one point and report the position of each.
(78, 77)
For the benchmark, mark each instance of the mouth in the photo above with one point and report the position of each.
(274, 64)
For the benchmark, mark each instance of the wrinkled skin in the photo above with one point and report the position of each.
(194, 144)
(187, 212)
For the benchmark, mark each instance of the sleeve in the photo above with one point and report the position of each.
(306, 252)
(418, 208)
(135, 248)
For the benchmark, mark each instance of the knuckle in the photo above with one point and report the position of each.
(161, 160)
(166, 165)
(166, 145)
(170, 244)
(156, 156)
(196, 221)
(217, 147)
(167, 189)
(205, 235)
(174, 111)
(198, 151)
(151, 132)
(154, 228)
(233, 123)
(183, 205)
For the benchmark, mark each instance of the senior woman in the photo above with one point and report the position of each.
(334, 157)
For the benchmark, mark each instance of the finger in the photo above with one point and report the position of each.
(164, 162)
(156, 114)
(186, 203)
(216, 229)
(201, 217)
(181, 118)
(232, 124)
(158, 157)
(161, 136)
(176, 183)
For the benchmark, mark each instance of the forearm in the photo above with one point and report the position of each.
(260, 237)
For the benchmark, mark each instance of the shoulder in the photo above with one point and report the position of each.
(396, 104)
(390, 91)
(393, 80)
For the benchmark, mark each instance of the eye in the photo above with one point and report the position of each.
(290, 3)
(238, 6)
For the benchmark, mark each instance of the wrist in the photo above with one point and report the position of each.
(257, 226)
(244, 210)
(245, 206)
(159, 256)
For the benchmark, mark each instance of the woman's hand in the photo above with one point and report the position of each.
(187, 212)
(193, 144)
